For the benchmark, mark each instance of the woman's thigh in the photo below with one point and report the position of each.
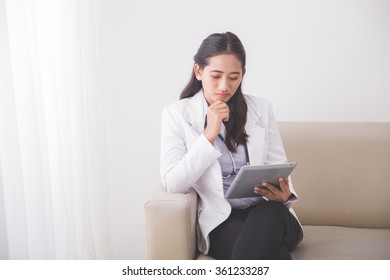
(270, 231)
(223, 238)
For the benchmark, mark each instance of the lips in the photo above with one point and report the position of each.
(222, 95)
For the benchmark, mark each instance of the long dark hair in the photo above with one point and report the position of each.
(216, 44)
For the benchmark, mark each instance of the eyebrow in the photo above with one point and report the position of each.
(217, 71)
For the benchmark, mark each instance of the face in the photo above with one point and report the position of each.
(220, 78)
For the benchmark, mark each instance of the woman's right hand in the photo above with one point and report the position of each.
(217, 113)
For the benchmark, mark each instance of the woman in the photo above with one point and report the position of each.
(206, 137)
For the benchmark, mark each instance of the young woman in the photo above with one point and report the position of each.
(207, 136)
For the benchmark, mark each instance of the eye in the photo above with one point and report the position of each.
(234, 78)
(215, 76)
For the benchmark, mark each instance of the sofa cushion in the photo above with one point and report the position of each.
(341, 243)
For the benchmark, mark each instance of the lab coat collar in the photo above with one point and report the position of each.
(196, 112)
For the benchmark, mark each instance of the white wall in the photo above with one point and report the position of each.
(314, 60)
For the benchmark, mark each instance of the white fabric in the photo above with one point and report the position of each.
(189, 160)
(53, 184)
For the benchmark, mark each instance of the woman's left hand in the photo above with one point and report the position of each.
(273, 193)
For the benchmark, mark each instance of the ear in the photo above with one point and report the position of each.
(198, 72)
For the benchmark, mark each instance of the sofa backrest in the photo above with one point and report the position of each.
(343, 172)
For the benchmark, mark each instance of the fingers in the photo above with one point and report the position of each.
(217, 113)
(283, 184)
(274, 193)
(260, 190)
(267, 190)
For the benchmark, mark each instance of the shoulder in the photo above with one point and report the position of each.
(188, 108)
(179, 106)
(258, 104)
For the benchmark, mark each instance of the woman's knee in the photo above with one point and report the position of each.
(270, 210)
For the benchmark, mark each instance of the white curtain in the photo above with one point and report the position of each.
(53, 182)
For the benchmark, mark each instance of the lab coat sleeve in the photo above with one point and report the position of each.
(183, 161)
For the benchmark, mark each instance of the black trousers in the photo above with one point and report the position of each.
(264, 231)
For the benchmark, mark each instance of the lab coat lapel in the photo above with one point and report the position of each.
(257, 139)
(194, 114)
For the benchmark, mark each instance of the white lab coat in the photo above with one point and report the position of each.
(188, 159)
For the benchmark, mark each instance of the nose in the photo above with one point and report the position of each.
(223, 85)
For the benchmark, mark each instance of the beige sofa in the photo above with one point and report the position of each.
(343, 183)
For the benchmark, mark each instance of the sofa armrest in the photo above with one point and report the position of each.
(171, 224)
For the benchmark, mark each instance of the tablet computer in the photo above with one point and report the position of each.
(249, 176)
